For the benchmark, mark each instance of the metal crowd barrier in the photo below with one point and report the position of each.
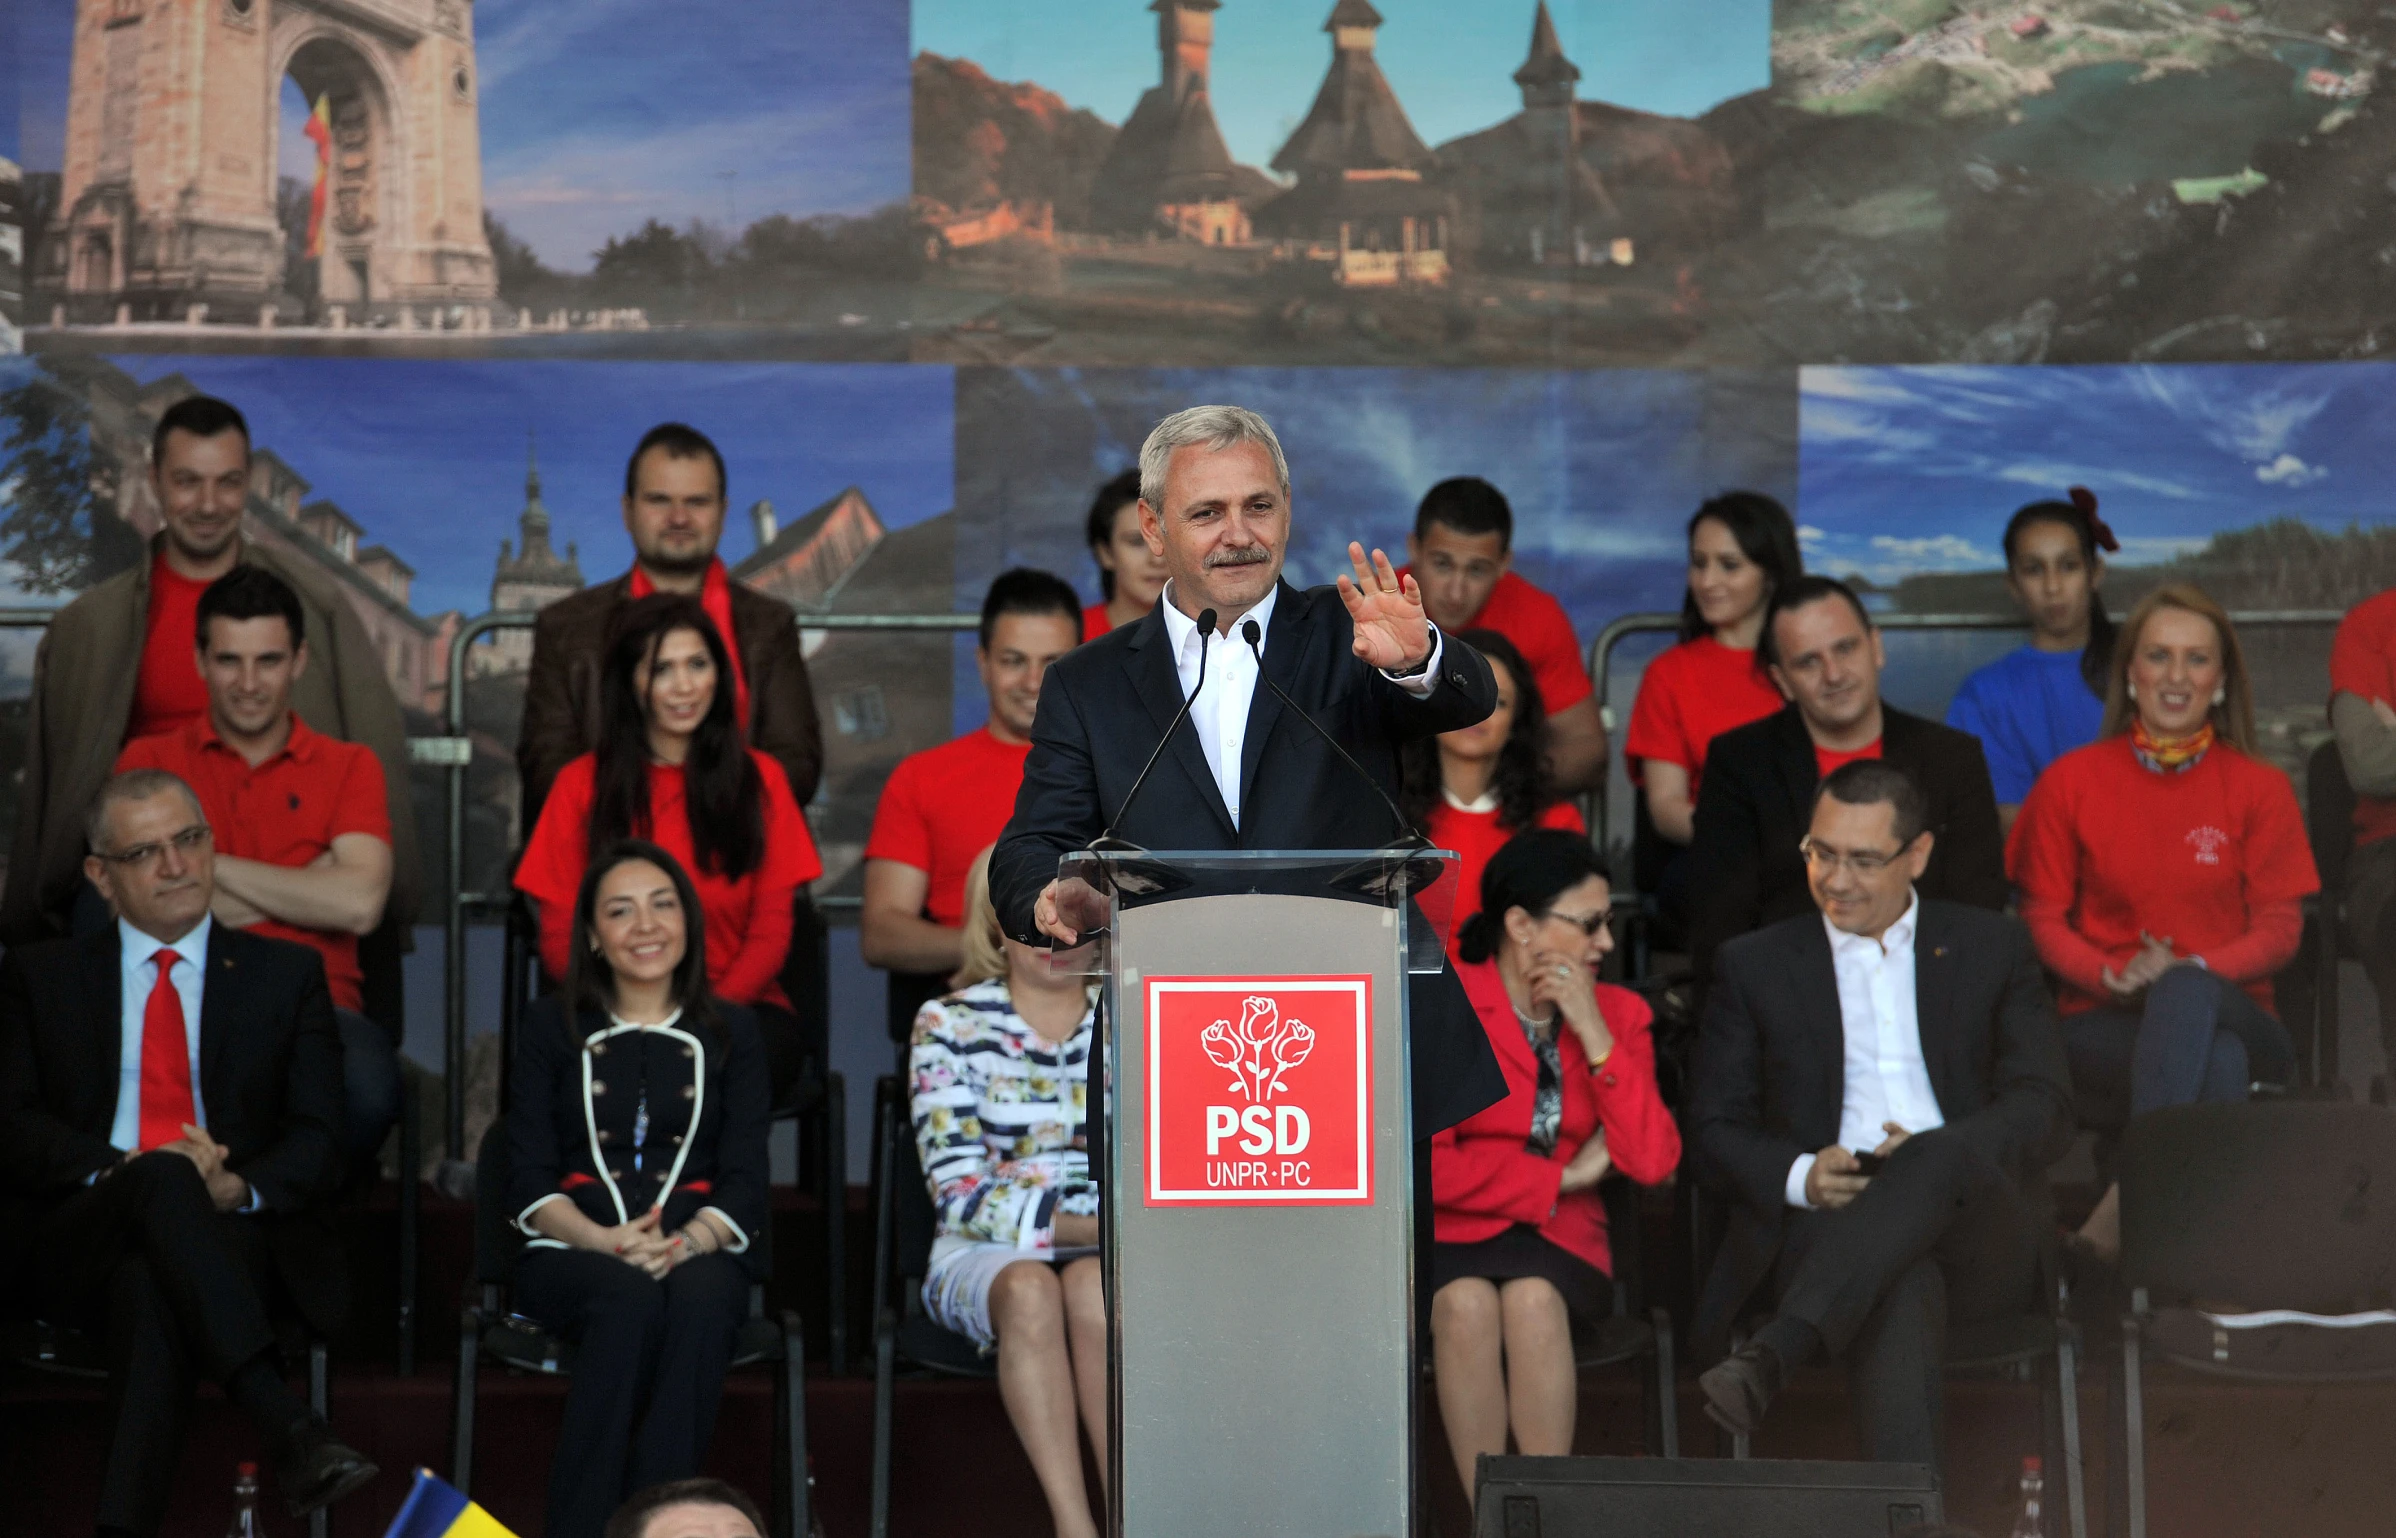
(1601, 651)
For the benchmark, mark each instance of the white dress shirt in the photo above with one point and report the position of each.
(137, 976)
(1886, 1077)
(1220, 713)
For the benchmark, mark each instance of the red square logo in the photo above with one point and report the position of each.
(1260, 1091)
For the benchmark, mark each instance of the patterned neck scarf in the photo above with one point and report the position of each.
(2169, 755)
(1547, 1101)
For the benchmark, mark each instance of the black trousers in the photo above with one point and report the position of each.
(1941, 1234)
(176, 1290)
(648, 1372)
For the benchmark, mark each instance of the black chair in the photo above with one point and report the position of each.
(2043, 1344)
(904, 1335)
(382, 967)
(487, 1328)
(2329, 828)
(818, 1101)
(2281, 1206)
(40, 1346)
(1637, 1334)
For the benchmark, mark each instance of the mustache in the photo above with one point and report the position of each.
(1246, 555)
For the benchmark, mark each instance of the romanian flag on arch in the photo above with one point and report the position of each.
(319, 130)
(434, 1510)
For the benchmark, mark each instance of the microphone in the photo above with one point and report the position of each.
(1408, 834)
(1206, 631)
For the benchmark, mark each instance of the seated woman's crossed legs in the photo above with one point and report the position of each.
(1503, 1354)
(1051, 1328)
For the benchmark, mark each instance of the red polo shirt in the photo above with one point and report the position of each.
(1829, 761)
(943, 806)
(286, 811)
(169, 693)
(1095, 623)
(1537, 625)
(1689, 696)
(2362, 662)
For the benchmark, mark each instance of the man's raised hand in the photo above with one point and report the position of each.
(1392, 632)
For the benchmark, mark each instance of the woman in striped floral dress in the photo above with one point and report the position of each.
(1000, 1073)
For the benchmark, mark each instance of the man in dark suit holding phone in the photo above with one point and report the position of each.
(1879, 1089)
(170, 1117)
(1238, 772)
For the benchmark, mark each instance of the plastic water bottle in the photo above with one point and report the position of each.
(2029, 1524)
(245, 1502)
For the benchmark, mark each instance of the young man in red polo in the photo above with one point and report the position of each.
(943, 806)
(1462, 553)
(299, 820)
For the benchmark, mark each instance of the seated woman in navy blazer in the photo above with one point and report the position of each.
(1519, 1229)
(636, 1134)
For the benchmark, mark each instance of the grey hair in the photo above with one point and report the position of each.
(1218, 427)
(132, 785)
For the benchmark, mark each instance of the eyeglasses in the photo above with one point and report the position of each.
(143, 856)
(1588, 926)
(1863, 864)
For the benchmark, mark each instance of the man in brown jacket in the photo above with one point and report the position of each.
(118, 652)
(674, 502)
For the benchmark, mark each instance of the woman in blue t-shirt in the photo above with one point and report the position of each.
(2035, 704)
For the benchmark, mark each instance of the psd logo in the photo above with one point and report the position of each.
(1260, 1091)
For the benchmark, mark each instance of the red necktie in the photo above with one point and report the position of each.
(166, 1103)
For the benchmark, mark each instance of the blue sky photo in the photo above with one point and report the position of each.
(1602, 469)
(429, 457)
(1905, 470)
(602, 113)
(1449, 61)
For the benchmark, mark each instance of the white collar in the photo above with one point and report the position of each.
(191, 946)
(1179, 627)
(622, 1024)
(1486, 803)
(1897, 937)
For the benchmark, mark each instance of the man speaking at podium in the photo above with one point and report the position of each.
(1361, 659)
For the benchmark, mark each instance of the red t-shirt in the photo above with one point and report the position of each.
(287, 811)
(1691, 695)
(1475, 836)
(1828, 759)
(2105, 848)
(1540, 630)
(747, 918)
(943, 806)
(169, 693)
(1095, 623)
(2362, 662)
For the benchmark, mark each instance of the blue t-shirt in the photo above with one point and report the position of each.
(2028, 708)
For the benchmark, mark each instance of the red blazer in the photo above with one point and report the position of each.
(1483, 1177)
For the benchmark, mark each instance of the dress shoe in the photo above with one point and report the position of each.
(1740, 1388)
(318, 1468)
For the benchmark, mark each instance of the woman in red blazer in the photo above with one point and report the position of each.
(1518, 1228)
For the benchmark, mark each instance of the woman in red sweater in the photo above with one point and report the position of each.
(1472, 790)
(672, 767)
(2161, 871)
(1518, 1227)
(1742, 548)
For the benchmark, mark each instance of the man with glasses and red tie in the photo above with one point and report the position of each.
(170, 1115)
(1880, 1085)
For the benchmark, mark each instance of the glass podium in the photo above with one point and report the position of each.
(1255, 1146)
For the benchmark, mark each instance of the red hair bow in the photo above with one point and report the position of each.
(2085, 500)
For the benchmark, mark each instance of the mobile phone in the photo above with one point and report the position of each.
(1868, 1164)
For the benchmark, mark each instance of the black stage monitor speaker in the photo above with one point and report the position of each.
(1700, 1498)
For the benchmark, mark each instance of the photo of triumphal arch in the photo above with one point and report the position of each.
(167, 208)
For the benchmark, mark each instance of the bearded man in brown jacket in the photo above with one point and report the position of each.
(114, 660)
(674, 503)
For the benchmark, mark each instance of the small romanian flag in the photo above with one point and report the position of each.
(319, 129)
(434, 1510)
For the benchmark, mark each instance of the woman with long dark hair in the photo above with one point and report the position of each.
(1518, 1227)
(2041, 700)
(637, 1171)
(672, 767)
(2162, 872)
(1130, 575)
(1472, 790)
(1742, 550)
